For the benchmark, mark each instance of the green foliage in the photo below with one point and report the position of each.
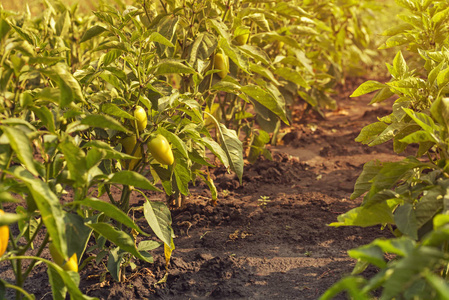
(69, 86)
(407, 196)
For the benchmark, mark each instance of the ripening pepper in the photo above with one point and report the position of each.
(4, 236)
(70, 265)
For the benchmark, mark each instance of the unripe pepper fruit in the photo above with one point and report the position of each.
(221, 62)
(160, 149)
(4, 236)
(129, 143)
(70, 265)
(141, 118)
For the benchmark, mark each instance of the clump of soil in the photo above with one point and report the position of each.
(267, 238)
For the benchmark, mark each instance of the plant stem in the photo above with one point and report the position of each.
(19, 280)
(18, 289)
(39, 252)
(108, 192)
(28, 245)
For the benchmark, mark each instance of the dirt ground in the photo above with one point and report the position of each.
(245, 249)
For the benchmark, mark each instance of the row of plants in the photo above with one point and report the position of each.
(408, 197)
(98, 108)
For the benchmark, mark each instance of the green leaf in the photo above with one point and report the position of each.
(113, 110)
(132, 178)
(293, 76)
(422, 120)
(400, 146)
(63, 24)
(103, 121)
(382, 95)
(23, 33)
(235, 54)
(404, 273)
(71, 280)
(440, 17)
(367, 87)
(256, 53)
(76, 161)
(405, 220)
(216, 149)
(45, 116)
(94, 157)
(118, 237)
(182, 176)
(111, 153)
(21, 145)
(418, 137)
(398, 29)
(227, 86)
(57, 285)
(265, 72)
(4, 29)
(289, 10)
(220, 27)
(438, 284)
(428, 206)
(158, 217)
(157, 37)
(364, 181)
(266, 99)
(388, 133)
(49, 207)
(440, 111)
(370, 132)
(443, 78)
(171, 66)
(113, 45)
(111, 211)
(391, 173)
(148, 245)
(8, 218)
(370, 253)
(399, 65)
(402, 246)
(352, 284)
(78, 235)
(45, 60)
(202, 48)
(114, 262)
(233, 148)
(396, 40)
(92, 32)
(70, 87)
(362, 216)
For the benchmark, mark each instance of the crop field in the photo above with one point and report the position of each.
(224, 149)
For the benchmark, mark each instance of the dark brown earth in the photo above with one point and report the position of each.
(242, 249)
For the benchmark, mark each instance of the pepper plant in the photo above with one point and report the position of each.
(66, 113)
(408, 196)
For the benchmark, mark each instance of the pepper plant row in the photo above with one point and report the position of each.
(409, 197)
(98, 108)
